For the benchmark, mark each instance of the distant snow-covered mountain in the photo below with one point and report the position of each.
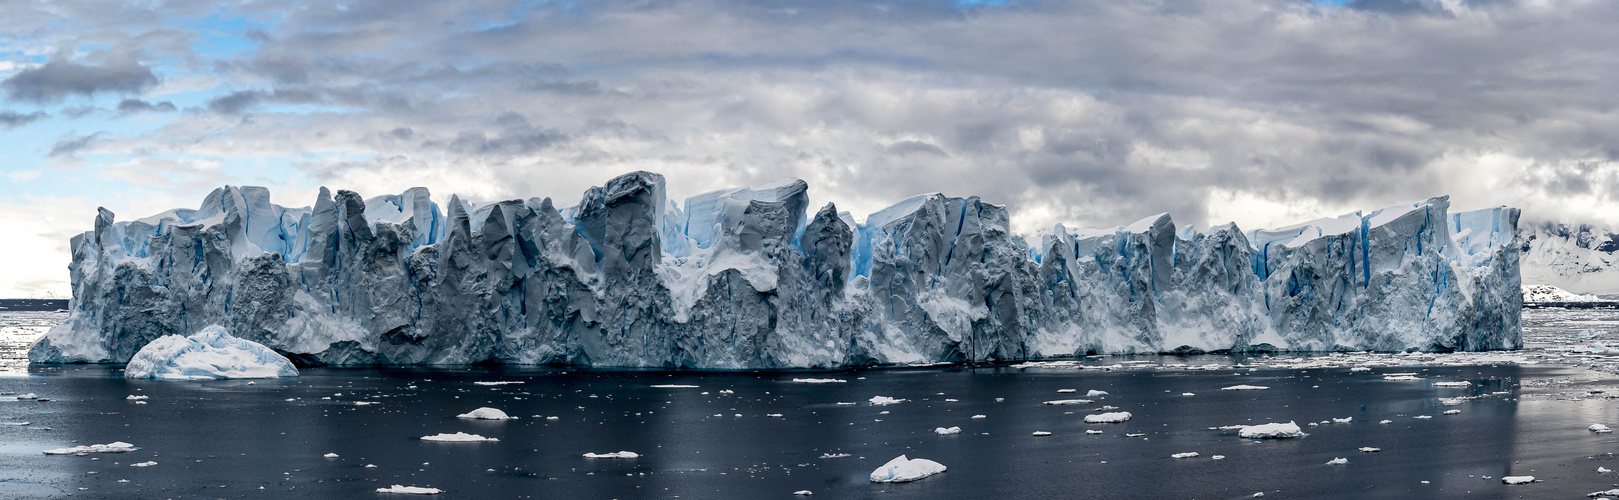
(1579, 258)
(1548, 293)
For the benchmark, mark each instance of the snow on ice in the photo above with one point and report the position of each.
(902, 470)
(211, 354)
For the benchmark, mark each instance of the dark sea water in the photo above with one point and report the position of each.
(233, 439)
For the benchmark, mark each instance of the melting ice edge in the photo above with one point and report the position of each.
(747, 279)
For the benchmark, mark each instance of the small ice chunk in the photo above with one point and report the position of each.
(943, 431)
(1423, 417)
(1604, 493)
(144, 464)
(113, 447)
(617, 454)
(133, 397)
(410, 490)
(1217, 457)
(330, 455)
(1452, 384)
(1041, 433)
(1188, 394)
(804, 492)
(885, 401)
(980, 416)
(1066, 402)
(1188, 454)
(498, 382)
(1360, 369)
(1453, 412)
(459, 437)
(1603, 470)
(1065, 391)
(1274, 430)
(1095, 393)
(834, 455)
(1344, 420)
(27, 396)
(1245, 387)
(1338, 461)
(1093, 432)
(902, 470)
(370, 466)
(1107, 418)
(1385, 422)
(1401, 378)
(1517, 479)
(1599, 429)
(1368, 449)
(486, 413)
(673, 386)
(820, 380)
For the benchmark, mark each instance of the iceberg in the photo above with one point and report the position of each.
(211, 354)
(1107, 418)
(1271, 431)
(486, 413)
(753, 278)
(904, 470)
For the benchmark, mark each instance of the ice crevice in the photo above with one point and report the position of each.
(750, 278)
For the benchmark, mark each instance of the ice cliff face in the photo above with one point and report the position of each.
(750, 278)
(1578, 258)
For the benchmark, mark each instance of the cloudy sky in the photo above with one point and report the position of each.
(1088, 113)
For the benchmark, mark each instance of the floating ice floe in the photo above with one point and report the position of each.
(1274, 430)
(980, 416)
(459, 437)
(1599, 429)
(1368, 449)
(902, 470)
(410, 490)
(1401, 377)
(1217, 457)
(500, 382)
(1453, 412)
(804, 492)
(1518, 479)
(1188, 454)
(1452, 384)
(1188, 394)
(616, 454)
(946, 430)
(1066, 402)
(885, 401)
(1065, 391)
(1385, 421)
(1245, 387)
(330, 455)
(113, 447)
(211, 354)
(1041, 433)
(133, 397)
(834, 455)
(673, 386)
(1095, 393)
(819, 380)
(1338, 461)
(27, 396)
(1423, 417)
(1093, 432)
(1344, 420)
(1360, 369)
(486, 413)
(1603, 470)
(1107, 418)
(143, 464)
(1604, 493)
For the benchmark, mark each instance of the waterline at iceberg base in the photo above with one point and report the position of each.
(749, 279)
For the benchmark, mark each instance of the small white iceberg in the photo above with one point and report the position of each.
(1368, 449)
(1401, 377)
(113, 447)
(1095, 393)
(1245, 387)
(980, 416)
(803, 492)
(144, 464)
(410, 490)
(1338, 461)
(486, 413)
(674, 386)
(504, 382)
(1453, 412)
(819, 381)
(1274, 430)
(1344, 420)
(1042, 433)
(1517, 479)
(1599, 429)
(1069, 402)
(1452, 384)
(211, 354)
(459, 437)
(885, 401)
(944, 431)
(330, 455)
(1065, 391)
(904, 470)
(1188, 454)
(133, 397)
(1107, 418)
(616, 454)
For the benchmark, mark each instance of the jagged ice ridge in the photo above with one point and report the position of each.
(748, 278)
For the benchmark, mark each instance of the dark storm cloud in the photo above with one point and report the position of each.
(58, 79)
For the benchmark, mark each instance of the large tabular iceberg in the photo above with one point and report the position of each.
(750, 278)
(211, 354)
